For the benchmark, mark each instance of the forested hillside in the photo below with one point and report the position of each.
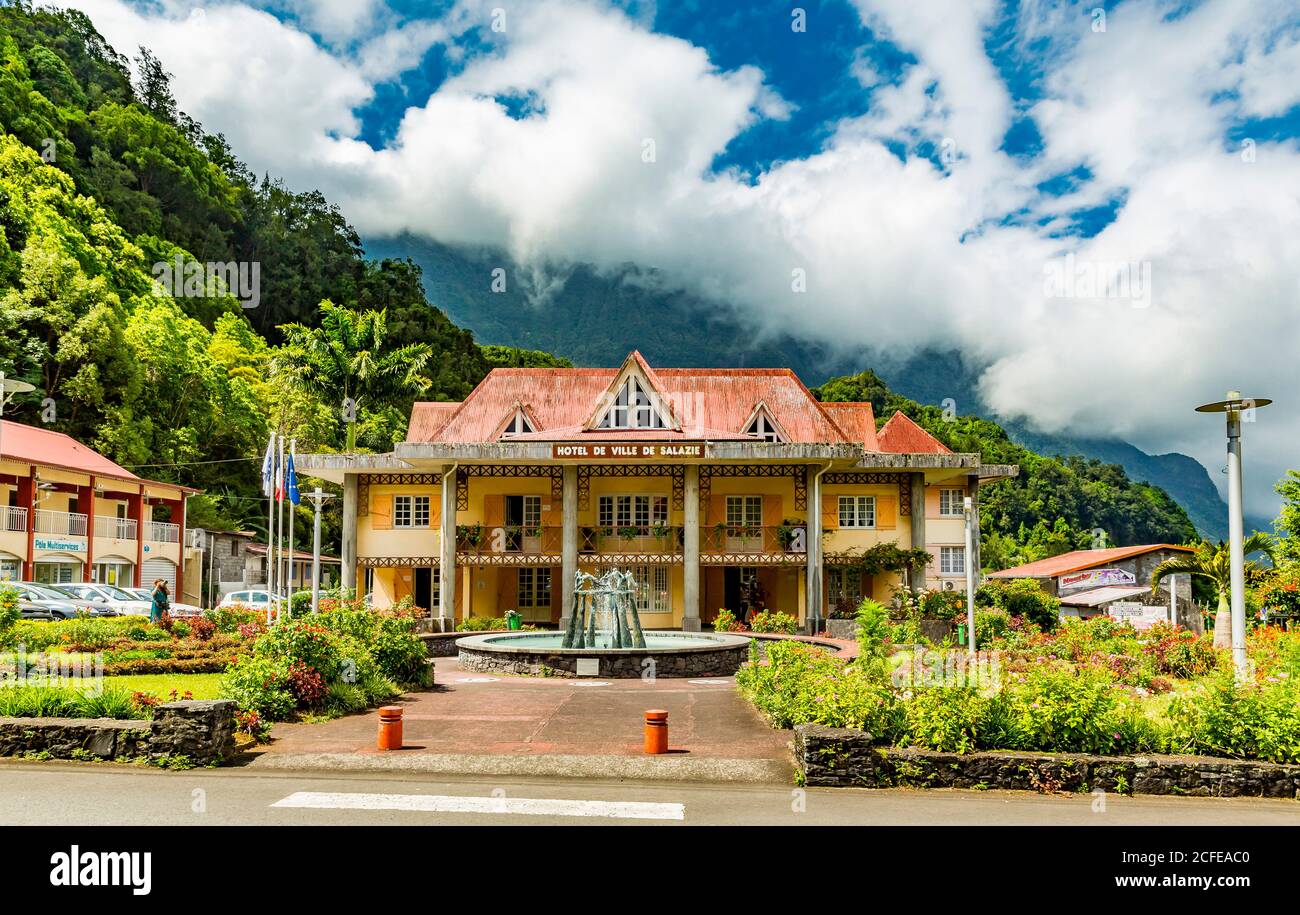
(1055, 505)
(101, 181)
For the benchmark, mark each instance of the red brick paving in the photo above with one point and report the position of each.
(525, 715)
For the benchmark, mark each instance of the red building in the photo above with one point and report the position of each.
(69, 514)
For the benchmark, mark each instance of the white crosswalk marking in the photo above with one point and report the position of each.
(449, 803)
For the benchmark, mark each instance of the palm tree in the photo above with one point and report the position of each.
(346, 360)
(1214, 562)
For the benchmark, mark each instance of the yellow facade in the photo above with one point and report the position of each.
(487, 585)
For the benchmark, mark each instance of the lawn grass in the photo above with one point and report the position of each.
(202, 686)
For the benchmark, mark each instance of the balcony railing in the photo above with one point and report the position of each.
(69, 524)
(479, 539)
(15, 518)
(116, 528)
(164, 532)
(780, 539)
(654, 538)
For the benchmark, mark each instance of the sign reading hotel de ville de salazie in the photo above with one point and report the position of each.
(627, 451)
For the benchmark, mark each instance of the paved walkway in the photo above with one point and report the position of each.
(472, 722)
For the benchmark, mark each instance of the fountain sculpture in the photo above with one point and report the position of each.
(604, 613)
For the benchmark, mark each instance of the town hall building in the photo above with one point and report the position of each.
(698, 481)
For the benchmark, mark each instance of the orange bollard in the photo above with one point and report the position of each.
(656, 731)
(390, 727)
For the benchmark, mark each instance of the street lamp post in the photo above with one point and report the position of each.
(318, 499)
(1232, 408)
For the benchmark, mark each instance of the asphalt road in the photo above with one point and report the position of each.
(34, 793)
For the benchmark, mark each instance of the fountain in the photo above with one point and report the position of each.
(603, 637)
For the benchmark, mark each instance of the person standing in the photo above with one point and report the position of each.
(161, 601)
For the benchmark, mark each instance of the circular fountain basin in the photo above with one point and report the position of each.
(667, 654)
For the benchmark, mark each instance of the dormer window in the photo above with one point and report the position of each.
(762, 428)
(518, 425)
(633, 408)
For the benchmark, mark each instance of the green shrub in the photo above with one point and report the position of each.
(1067, 711)
(990, 625)
(948, 718)
(774, 621)
(1252, 720)
(874, 631)
(306, 640)
(726, 621)
(229, 619)
(10, 612)
(1021, 597)
(398, 651)
(260, 683)
(801, 683)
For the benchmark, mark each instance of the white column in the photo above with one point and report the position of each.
(813, 575)
(568, 543)
(918, 527)
(1236, 548)
(350, 531)
(691, 550)
(447, 567)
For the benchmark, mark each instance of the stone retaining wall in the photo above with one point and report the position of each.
(842, 757)
(714, 662)
(202, 730)
(443, 644)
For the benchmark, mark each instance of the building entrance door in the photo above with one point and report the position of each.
(423, 588)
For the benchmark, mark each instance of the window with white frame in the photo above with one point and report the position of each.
(633, 408)
(744, 512)
(857, 511)
(632, 511)
(652, 595)
(763, 428)
(435, 588)
(518, 425)
(534, 588)
(410, 511)
(952, 503)
(952, 560)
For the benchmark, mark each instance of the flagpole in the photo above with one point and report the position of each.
(268, 488)
(279, 531)
(289, 484)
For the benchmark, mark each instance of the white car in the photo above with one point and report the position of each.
(177, 609)
(110, 596)
(256, 599)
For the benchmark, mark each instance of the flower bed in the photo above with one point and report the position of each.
(1096, 687)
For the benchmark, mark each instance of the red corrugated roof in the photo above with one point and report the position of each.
(428, 418)
(708, 403)
(856, 420)
(900, 435)
(1082, 559)
(45, 447)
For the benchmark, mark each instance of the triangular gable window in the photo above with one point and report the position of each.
(764, 428)
(518, 425)
(633, 408)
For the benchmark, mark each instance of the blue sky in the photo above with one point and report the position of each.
(1096, 201)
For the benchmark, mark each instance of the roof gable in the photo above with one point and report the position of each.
(635, 379)
(857, 419)
(901, 435)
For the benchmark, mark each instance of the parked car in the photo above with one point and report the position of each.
(30, 611)
(177, 609)
(61, 606)
(108, 596)
(256, 599)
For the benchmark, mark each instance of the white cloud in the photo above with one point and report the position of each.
(898, 255)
